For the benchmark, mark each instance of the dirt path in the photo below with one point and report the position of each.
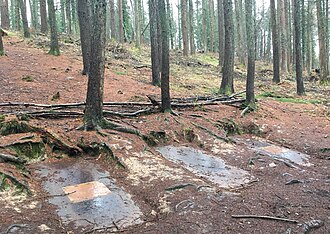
(192, 192)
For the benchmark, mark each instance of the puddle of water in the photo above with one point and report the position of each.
(93, 198)
(207, 166)
(278, 152)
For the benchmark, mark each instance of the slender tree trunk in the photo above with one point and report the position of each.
(276, 55)
(288, 23)
(179, 26)
(5, 23)
(184, 27)
(165, 83)
(17, 15)
(221, 33)
(204, 26)
(309, 38)
(250, 99)
(120, 21)
(227, 82)
(54, 47)
(43, 16)
(154, 42)
(63, 21)
(298, 62)
(93, 117)
(239, 41)
(211, 23)
(113, 20)
(85, 25)
(322, 42)
(137, 22)
(284, 45)
(22, 4)
(68, 16)
(191, 28)
(170, 15)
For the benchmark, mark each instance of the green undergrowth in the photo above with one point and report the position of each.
(287, 99)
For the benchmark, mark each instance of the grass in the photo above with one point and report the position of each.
(121, 73)
(280, 98)
(208, 58)
(28, 78)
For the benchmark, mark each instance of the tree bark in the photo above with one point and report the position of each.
(85, 25)
(120, 21)
(221, 33)
(191, 28)
(283, 31)
(276, 55)
(112, 20)
(2, 50)
(54, 47)
(227, 82)
(204, 25)
(250, 39)
(43, 16)
(93, 116)
(297, 27)
(322, 42)
(5, 23)
(68, 16)
(22, 4)
(184, 27)
(154, 42)
(165, 81)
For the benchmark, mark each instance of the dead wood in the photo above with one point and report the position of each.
(15, 226)
(263, 217)
(127, 114)
(11, 158)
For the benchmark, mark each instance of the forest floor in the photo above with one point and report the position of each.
(196, 172)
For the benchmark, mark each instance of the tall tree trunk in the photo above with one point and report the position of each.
(211, 23)
(112, 20)
(43, 16)
(85, 25)
(204, 25)
(297, 27)
(154, 42)
(120, 21)
(184, 27)
(74, 16)
(191, 28)
(288, 23)
(170, 15)
(93, 117)
(54, 47)
(322, 42)
(5, 23)
(165, 72)
(179, 26)
(276, 55)
(227, 82)
(137, 22)
(68, 16)
(17, 15)
(283, 31)
(309, 42)
(250, 39)
(22, 4)
(239, 22)
(34, 13)
(63, 21)
(221, 33)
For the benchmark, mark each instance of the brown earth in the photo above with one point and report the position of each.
(29, 74)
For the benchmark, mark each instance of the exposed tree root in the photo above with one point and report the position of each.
(18, 183)
(225, 139)
(11, 158)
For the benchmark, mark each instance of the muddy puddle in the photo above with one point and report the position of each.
(86, 196)
(206, 166)
(278, 152)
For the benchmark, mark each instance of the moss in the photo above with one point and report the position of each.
(155, 137)
(2, 118)
(229, 126)
(120, 73)
(28, 78)
(29, 151)
(2, 53)
(14, 126)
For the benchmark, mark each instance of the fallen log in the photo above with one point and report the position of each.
(263, 217)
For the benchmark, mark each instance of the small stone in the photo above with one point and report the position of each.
(272, 165)
(43, 227)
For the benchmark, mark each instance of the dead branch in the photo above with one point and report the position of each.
(11, 158)
(263, 217)
(133, 114)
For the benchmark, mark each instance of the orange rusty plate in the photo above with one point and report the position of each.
(86, 191)
(273, 149)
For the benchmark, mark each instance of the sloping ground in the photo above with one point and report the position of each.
(173, 195)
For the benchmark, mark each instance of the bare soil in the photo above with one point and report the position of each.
(28, 74)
